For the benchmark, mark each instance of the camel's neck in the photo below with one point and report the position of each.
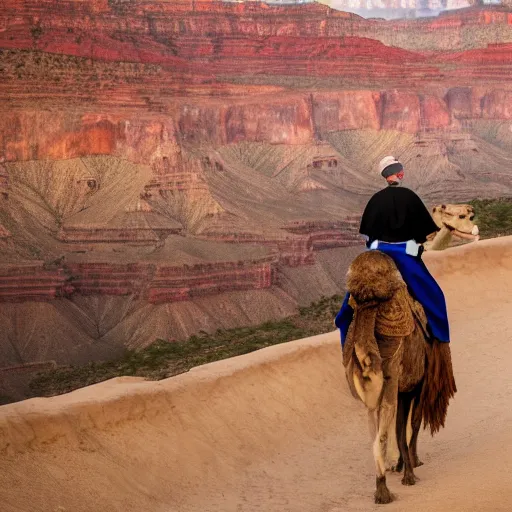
(442, 239)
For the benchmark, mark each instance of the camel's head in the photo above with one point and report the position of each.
(458, 218)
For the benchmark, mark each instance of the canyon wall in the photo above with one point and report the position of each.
(286, 119)
(141, 79)
(74, 22)
(160, 153)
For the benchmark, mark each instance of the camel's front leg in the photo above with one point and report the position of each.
(393, 451)
(386, 426)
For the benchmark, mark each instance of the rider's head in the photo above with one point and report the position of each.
(391, 169)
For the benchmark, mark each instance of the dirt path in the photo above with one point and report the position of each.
(274, 430)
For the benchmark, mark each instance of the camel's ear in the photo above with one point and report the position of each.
(443, 206)
(434, 210)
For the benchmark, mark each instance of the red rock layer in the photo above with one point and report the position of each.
(171, 284)
(135, 61)
(327, 235)
(223, 39)
(31, 283)
(110, 279)
(479, 102)
(154, 283)
(292, 251)
(100, 234)
(160, 19)
(163, 283)
(291, 119)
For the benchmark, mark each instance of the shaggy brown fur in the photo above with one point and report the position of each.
(364, 362)
(439, 386)
(373, 276)
(389, 365)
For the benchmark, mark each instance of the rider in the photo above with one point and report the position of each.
(396, 222)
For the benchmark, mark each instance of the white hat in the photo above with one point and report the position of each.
(386, 162)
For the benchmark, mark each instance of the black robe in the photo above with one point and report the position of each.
(396, 214)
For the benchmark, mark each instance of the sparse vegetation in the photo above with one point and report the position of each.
(164, 359)
(493, 216)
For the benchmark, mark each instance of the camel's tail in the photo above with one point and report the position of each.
(438, 387)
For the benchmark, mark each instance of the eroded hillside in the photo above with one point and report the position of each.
(178, 166)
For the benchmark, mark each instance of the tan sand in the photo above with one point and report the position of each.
(275, 430)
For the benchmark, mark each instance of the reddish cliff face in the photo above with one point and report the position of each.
(112, 73)
(479, 103)
(346, 110)
(226, 124)
(281, 119)
(271, 122)
(496, 104)
(166, 19)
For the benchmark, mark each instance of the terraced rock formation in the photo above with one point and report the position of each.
(186, 165)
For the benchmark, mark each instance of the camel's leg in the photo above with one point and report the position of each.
(412, 432)
(393, 451)
(400, 426)
(399, 465)
(404, 405)
(372, 423)
(382, 493)
(415, 427)
(386, 416)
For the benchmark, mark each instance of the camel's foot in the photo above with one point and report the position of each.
(417, 462)
(398, 467)
(382, 494)
(409, 479)
(391, 466)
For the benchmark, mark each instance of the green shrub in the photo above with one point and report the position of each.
(493, 216)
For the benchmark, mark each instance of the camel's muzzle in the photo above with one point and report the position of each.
(473, 236)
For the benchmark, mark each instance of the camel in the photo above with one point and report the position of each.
(454, 221)
(391, 365)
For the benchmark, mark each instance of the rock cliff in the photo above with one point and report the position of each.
(164, 153)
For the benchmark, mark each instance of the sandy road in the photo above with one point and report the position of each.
(275, 430)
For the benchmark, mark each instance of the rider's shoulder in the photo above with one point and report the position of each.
(404, 191)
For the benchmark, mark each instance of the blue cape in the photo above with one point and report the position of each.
(422, 286)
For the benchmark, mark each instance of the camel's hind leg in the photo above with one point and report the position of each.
(415, 430)
(412, 431)
(405, 401)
